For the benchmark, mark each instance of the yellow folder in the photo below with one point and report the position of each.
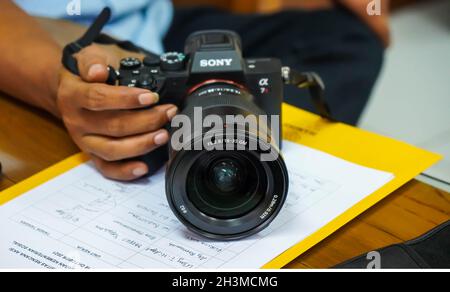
(347, 142)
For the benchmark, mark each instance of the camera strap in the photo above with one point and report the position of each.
(314, 84)
(94, 35)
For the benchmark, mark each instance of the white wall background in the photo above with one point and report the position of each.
(412, 99)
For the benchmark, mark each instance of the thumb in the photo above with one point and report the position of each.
(93, 65)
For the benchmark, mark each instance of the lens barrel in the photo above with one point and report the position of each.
(226, 192)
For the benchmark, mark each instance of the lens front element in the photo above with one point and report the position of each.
(226, 176)
(225, 184)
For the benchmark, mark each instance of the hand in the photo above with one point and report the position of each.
(103, 120)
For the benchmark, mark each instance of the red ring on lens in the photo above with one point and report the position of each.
(212, 81)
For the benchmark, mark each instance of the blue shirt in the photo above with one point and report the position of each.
(144, 22)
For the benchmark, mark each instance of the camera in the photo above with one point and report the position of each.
(228, 191)
(225, 176)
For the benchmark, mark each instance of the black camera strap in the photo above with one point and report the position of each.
(314, 84)
(94, 35)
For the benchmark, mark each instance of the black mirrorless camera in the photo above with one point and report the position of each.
(225, 192)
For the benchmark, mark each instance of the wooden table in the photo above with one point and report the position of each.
(31, 140)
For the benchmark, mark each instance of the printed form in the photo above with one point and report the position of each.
(80, 220)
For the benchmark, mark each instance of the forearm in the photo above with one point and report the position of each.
(29, 59)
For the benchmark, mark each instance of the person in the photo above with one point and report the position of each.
(340, 41)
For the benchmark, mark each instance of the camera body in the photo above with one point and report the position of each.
(219, 194)
(210, 57)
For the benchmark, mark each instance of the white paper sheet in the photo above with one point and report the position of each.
(81, 220)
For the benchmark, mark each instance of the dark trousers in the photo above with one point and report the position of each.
(334, 43)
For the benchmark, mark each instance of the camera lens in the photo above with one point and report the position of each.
(225, 185)
(226, 176)
(225, 193)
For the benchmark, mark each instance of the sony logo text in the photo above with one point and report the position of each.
(215, 62)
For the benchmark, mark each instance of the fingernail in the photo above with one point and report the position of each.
(172, 112)
(95, 69)
(139, 171)
(148, 98)
(161, 138)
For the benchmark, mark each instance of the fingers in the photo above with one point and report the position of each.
(94, 95)
(110, 149)
(120, 170)
(127, 123)
(101, 97)
(93, 64)
(101, 120)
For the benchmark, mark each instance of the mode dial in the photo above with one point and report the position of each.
(130, 63)
(172, 61)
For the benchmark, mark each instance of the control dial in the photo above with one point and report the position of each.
(172, 61)
(130, 63)
(146, 81)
